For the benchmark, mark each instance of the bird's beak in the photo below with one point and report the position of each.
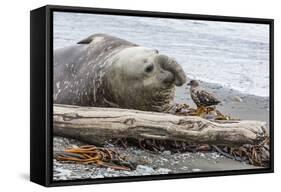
(188, 84)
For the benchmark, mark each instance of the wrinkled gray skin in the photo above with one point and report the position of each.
(106, 71)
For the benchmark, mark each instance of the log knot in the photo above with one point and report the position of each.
(130, 121)
(70, 116)
(185, 122)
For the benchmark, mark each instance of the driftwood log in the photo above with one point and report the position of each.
(97, 125)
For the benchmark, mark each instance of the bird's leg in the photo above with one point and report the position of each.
(200, 110)
(210, 109)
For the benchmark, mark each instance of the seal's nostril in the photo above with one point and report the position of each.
(169, 78)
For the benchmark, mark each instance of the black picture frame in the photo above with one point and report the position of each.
(41, 55)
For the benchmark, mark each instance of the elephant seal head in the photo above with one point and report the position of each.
(141, 78)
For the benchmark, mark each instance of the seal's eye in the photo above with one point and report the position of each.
(149, 68)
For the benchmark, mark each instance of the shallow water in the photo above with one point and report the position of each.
(235, 55)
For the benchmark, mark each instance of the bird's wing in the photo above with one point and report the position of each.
(194, 97)
(206, 97)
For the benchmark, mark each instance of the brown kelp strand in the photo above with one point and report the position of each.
(89, 154)
(257, 155)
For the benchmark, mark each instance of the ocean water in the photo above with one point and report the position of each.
(234, 55)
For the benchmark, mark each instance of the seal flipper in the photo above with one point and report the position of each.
(90, 38)
(86, 40)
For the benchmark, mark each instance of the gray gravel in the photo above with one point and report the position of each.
(148, 163)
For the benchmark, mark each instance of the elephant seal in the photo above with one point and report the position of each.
(106, 71)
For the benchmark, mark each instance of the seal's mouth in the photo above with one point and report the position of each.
(158, 100)
(161, 100)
